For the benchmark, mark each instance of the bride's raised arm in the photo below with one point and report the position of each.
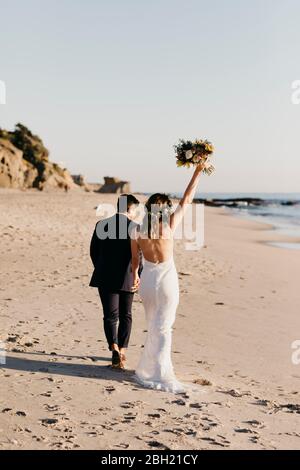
(187, 198)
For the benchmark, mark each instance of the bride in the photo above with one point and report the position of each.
(158, 285)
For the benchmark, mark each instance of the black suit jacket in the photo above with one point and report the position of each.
(110, 251)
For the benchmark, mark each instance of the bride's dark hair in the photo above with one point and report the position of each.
(158, 209)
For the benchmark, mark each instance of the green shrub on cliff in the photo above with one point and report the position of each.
(35, 153)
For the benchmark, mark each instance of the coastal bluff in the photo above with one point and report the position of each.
(114, 185)
(111, 185)
(24, 162)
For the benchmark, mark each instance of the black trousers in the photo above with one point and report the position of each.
(117, 316)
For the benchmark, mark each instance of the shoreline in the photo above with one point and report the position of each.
(286, 241)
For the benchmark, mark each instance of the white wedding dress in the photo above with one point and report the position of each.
(160, 295)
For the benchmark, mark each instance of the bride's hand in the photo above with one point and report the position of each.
(202, 165)
(136, 283)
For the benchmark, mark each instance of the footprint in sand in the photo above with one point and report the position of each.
(234, 393)
(129, 417)
(208, 424)
(154, 415)
(122, 445)
(244, 430)
(179, 402)
(182, 432)
(212, 441)
(6, 410)
(158, 445)
(51, 407)
(48, 421)
(196, 405)
(131, 404)
(201, 381)
(255, 423)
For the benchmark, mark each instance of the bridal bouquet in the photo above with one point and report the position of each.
(192, 153)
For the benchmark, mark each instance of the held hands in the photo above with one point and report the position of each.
(136, 283)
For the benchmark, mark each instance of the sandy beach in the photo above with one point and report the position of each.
(237, 319)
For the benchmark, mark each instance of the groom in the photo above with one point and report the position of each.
(110, 251)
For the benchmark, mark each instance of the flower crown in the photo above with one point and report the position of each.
(162, 211)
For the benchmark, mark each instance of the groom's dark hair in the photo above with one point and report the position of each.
(125, 201)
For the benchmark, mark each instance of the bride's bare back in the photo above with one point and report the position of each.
(157, 250)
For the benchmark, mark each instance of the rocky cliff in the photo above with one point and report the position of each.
(114, 185)
(15, 172)
(24, 162)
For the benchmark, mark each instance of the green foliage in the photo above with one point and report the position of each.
(31, 145)
(36, 155)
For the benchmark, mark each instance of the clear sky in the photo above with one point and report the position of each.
(111, 85)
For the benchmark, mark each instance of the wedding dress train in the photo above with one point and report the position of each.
(160, 295)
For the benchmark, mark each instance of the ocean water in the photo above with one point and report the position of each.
(281, 210)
